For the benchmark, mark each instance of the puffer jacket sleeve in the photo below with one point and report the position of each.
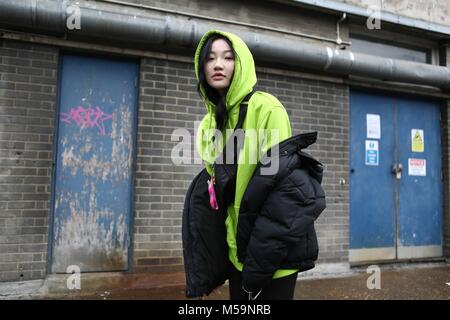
(286, 215)
(260, 185)
(277, 128)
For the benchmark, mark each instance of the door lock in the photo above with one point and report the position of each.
(397, 170)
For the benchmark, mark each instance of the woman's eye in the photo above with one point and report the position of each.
(229, 58)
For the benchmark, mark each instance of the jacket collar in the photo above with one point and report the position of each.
(294, 143)
(298, 142)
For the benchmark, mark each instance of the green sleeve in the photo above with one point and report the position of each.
(277, 128)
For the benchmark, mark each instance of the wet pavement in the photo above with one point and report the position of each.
(420, 283)
(405, 282)
(424, 281)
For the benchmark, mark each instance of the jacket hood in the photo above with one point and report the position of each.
(244, 77)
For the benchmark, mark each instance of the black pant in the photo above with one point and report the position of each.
(278, 289)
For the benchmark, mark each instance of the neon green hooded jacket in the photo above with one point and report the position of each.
(264, 112)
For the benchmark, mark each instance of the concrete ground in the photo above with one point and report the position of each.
(429, 281)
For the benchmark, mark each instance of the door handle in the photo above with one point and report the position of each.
(397, 169)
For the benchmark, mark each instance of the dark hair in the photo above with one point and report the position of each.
(212, 94)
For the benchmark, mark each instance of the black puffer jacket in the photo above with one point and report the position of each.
(275, 226)
(205, 249)
(277, 214)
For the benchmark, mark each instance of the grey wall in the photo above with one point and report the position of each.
(265, 13)
(27, 113)
(436, 11)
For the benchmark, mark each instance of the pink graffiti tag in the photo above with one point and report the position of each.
(87, 117)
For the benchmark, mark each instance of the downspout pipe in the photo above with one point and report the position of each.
(126, 26)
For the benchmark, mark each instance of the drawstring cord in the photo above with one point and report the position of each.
(250, 294)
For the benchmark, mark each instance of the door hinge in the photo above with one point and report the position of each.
(135, 82)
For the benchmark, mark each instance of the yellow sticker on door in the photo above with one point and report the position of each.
(417, 140)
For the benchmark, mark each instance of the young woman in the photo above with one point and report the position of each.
(263, 256)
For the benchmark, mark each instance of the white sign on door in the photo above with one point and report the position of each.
(417, 167)
(373, 126)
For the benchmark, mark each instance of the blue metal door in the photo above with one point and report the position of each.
(388, 170)
(372, 202)
(420, 202)
(92, 196)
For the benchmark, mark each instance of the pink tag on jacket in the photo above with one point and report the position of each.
(212, 194)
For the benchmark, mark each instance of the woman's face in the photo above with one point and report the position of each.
(219, 66)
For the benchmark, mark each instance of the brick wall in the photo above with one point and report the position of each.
(321, 106)
(27, 112)
(169, 101)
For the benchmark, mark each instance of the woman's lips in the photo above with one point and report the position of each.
(218, 77)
